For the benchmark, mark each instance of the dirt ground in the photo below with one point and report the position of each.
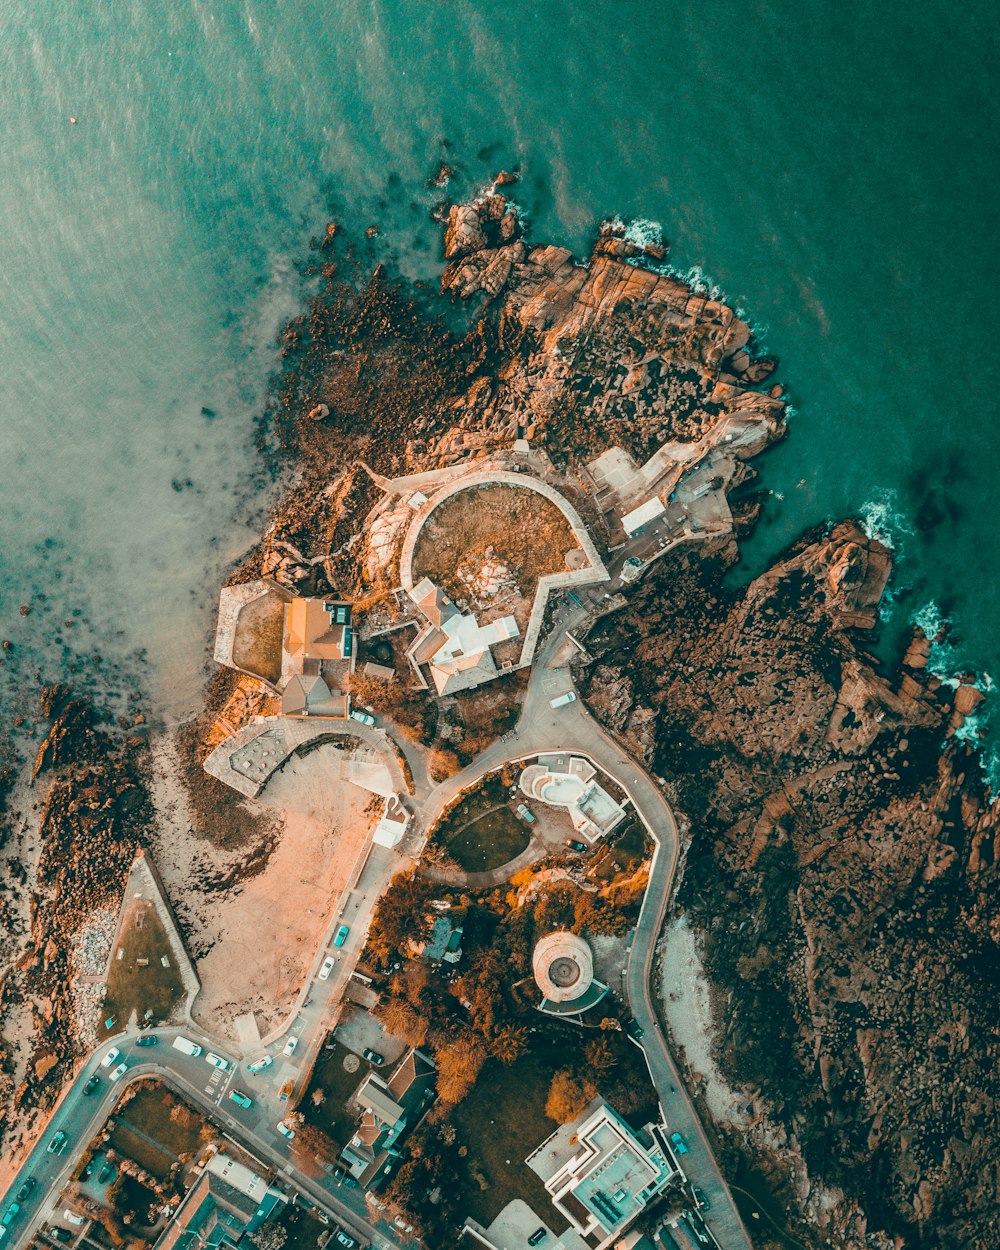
(252, 939)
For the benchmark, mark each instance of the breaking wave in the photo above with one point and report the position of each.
(882, 520)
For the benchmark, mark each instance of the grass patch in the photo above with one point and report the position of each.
(303, 1229)
(139, 986)
(487, 842)
(156, 1128)
(258, 637)
(338, 1085)
(132, 1200)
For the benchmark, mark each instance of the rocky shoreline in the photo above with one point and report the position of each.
(842, 859)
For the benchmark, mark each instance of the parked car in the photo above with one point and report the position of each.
(702, 1201)
(57, 1143)
(365, 719)
(10, 1215)
(341, 936)
(327, 968)
(118, 1072)
(285, 1131)
(634, 1029)
(678, 1143)
(576, 846)
(105, 1174)
(217, 1061)
(562, 699)
(147, 1039)
(260, 1064)
(242, 1100)
(344, 1239)
(71, 1217)
(26, 1188)
(91, 1085)
(538, 1236)
(374, 1057)
(186, 1046)
(60, 1234)
(111, 1058)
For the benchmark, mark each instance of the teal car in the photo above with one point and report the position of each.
(341, 937)
(242, 1100)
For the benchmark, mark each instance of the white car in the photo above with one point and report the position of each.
(290, 1046)
(260, 1064)
(119, 1071)
(71, 1217)
(112, 1057)
(362, 717)
(327, 968)
(285, 1131)
(217, 1061)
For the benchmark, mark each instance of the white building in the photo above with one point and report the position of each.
(601, 1174)
(454, 646)
(568, 782)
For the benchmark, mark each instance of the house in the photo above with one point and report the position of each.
(444, 944)
(453, 645)
(601, 1174)
(390, 1110)
(569, 782)
(226, 1201)
(317, 658)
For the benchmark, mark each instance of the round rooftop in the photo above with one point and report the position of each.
(563, 966)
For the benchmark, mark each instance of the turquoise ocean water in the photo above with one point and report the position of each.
(831, 167)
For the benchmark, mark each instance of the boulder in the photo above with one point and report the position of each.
(464, 233)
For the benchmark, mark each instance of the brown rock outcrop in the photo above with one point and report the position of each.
(844, 869)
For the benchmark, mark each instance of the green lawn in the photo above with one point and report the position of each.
(337, 1085)
(487, 842)
(137, 986)
(151, 1131)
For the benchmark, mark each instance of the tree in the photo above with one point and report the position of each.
(269, 1236)
(569, 1093)
(510, 1043)
(313, 1149)
(442, 763)
(402, 1020)
(401, 916)
(459, 1064)
(599, 1056)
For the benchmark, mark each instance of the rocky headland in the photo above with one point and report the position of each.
(841, 855)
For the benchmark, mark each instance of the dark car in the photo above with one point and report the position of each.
(147, 1039)
(635, 1029)
(576, 846)
(26, 1188)
(105, 1174)
(60, 1234)
(91, 1085)
(702, 1201)
(374, 1057)
(538, 1236)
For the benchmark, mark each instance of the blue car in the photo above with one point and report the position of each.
(341, 937)
(678, 1143)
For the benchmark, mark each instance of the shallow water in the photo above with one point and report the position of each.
(831, 168)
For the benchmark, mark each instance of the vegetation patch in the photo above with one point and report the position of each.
(138, 980)
(488, 545)
(156, 1129)
(258, 637)
(489, 841)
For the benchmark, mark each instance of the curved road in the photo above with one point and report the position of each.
(540, 729)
